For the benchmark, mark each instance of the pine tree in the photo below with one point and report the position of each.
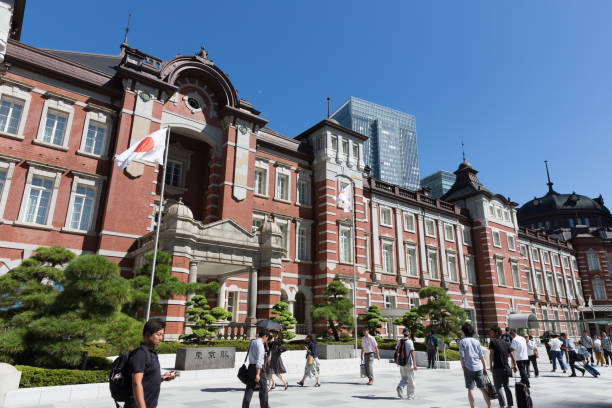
(337, 310)
(445, 317)
(374, 320)
(203, 318)
(412, 321)
(285, 319)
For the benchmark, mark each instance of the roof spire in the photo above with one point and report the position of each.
(549, 184)
(127, 29)
(328, 99)
(463, 150)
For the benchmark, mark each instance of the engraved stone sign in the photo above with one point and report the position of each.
(205, 358)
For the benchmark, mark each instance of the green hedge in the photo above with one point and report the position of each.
(45, 377)
(170, 347)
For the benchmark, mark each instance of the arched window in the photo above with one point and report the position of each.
(599, 290)
(299, 311)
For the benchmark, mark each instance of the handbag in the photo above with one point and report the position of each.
(310, 359)
(243, 372)
(490, 388)
(282, 349)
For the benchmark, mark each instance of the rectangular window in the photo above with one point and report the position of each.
(491, 211)
(282, 187)
(345, 245)
(385, 216)
(593, 261)
(39, 200)
(539, 282)
(556, 260)
(470, 270)
(560, 285)
(496, 239)
(303, 243)
(334, 143)
(414, 301)
(452, 268)
(231, 304)
(579, 285)
(356, 152)
(449, 233)
(545, 319)
(501, 273)
(345, 146)
(574, 266)
(535, 254)
(546, 258)
(565, 262)
(257, 223)
(529, 284)
(498, 212)
(303, 190)
(83, 207)
(95, 138)
(511, 245)
(390, 301)
(411, 261)
(430, 228)
(516, 278)
(506, 215)
(10, 114)
(571, 291)
(408, 222)
(467, 236)
(174, 173)
(523, 251)
(261, 181)
(432, 263)
(55, 127)
(285, 237)
(387, 255)
(2, 181)
(550, 285)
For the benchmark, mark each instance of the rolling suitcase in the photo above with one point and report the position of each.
(523, 395)
(592, 370)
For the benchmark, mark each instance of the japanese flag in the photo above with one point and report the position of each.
(344, 199)
(151, 148)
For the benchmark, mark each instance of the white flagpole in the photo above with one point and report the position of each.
(159, 219)
(354, 271)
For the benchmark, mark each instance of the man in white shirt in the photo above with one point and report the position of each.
(556, 353)
(369, 346)
(257, 354)
(532, 353)
(408, 368)
(519, 350)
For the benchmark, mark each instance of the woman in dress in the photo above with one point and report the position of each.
(312, 361)
(276, 366)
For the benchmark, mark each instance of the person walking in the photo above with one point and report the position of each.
(521, 358)
(606, 346)
(256, 371)
(568, 345)
(546, 342)
(587, 342)
(532, 353)
(143, 365)
(506, 336)
(499, 351)
(276, 366)
(473, 364)
(432, 349)
(408, 368)
(369, 346)
(598, 351)
(556, 352)
(312, 361)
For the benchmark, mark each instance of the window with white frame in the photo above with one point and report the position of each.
(257, 222)
(570, 288)
(467, 236)
(345, 146)
(174, 173)
(260, 183)
(535, 255)
(414, 300)
(385, 216)
(556, 260)
(430, 228)
(565, 262)
(390, 301)
(523, 249)
(432, 263)
(516, 278)
(283, 180)
(283, 225)
(83, 205)
(452, 267)
(304, 194)
(231, 303)
(506, 215)
(387, 256)
(39, 196)
(491, 211)
(539, 282)
(334, 143)
(411, 260)
(511, 244)
(356, 152)
(593, 261)
(449, 233)
(470, 269)
(96, 131)
(528, 279)
(496, 239)
(3, 173)
(14, 105)
(574, 265)
(55, 123)
(303, 240)
(546, 257)
(345, 245)
(408, 222)
(498, 212)
(55, 127)
(501, 272)
(550, 284)
(545, 318)
(579, 285)
(599, 290)
(560, 284)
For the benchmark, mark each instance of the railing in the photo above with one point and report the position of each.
(232, 331)
(301, 329)
(447, 206)
(384, 186)
(407, 194)
(428, 200)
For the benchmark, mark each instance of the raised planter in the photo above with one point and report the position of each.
(205, 358)
(335, 351)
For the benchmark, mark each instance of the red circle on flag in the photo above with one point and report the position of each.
(145, 145)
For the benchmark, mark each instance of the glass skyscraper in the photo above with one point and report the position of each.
(440, 182)
(391, 150)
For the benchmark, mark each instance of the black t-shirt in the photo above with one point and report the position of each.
(144, 360)
(501, 352)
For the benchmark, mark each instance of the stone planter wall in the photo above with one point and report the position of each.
(335, 351)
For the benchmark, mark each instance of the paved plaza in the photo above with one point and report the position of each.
(435, 388)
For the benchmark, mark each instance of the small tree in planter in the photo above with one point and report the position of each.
(445, 317)
(412, 321)
(337, 310)
(203, 318)
(285, 319)
(373, 320)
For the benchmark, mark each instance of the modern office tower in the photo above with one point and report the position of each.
(391, 150)
(439, 182)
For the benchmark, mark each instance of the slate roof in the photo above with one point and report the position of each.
(104, 63)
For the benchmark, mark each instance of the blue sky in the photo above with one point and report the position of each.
(519, 82)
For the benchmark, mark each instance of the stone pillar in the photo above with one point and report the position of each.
(399, 247)
(307, 315)
(422, 246)
(291, 304)
(221, 294)
(193, 276)
(375, 240)
(443, 261)
(251, 319)
(460, 258)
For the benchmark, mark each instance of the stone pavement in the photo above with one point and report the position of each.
(435, 388)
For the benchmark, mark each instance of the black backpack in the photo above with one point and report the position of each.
(400, 354)
(120, 379)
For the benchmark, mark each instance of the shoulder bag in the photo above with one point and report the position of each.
(243, 372)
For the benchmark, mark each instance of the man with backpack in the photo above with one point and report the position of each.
(139, 374)
(404, 358)
(432, 349)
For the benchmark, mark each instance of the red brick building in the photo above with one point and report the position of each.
(246, 206)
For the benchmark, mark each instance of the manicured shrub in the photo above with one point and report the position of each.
(46, 377)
